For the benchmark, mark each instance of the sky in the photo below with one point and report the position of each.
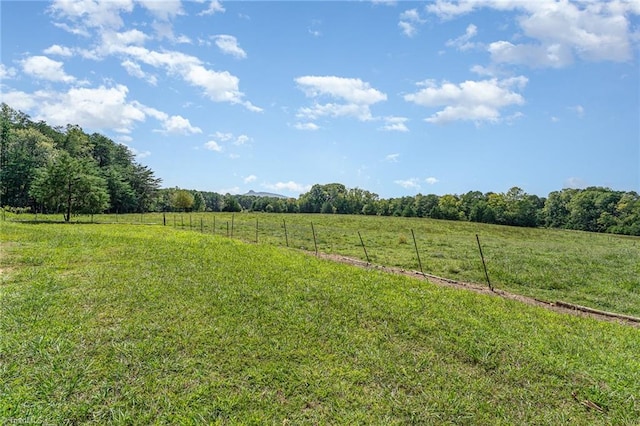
(395, 97)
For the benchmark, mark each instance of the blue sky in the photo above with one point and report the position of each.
(397, 98)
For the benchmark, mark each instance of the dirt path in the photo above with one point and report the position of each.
(557, 306)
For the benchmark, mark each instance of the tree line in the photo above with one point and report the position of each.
(64, 170)
(593, 209)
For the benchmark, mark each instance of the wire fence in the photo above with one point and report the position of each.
(367, 239)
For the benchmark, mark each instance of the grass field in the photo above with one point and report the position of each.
(600, 271)
(147, 324)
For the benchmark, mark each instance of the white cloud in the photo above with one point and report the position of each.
(409, 19)
(58, 50)
(218, 86)
(139, 154)
(392, 158)
(241, 140)
(463, 42)
(223, 137)
(250, 178)
(164, 10)
(44, 68)
(104, 17)
(306, 126)
(215, 6)
(290, 186)
(90, 13)
(6, 72)
(395, 124)
(179, 125)
(409, 183)
(385, 2)
(229, 45)
(431, 180)
(484, 71)
(408, 28)
(471, 100)
(554, 55)
(135, 70)
(356, 94)
(558, 31)
(99, 108)
(213, 146)
(102, 108)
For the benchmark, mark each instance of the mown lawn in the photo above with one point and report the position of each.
(146, 324)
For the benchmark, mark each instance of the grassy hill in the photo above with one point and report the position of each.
(144, 324)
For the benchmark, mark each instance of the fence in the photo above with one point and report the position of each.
(404, 243)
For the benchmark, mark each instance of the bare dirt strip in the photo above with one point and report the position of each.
(557, 306)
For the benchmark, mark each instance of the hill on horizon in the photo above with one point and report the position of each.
(264, 194)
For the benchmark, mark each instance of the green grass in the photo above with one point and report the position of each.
(145, 324)
(601, 271)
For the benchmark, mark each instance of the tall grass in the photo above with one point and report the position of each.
(145, 324)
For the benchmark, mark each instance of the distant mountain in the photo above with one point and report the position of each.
(264, 194)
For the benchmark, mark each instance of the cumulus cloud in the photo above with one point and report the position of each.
(290, 186)
(84, 16)
(409, 20)
(43, 68)
(6, 72)
(476, 101)
(411, 183)
(135, 70)
(179, 125)
(101, 108)
(356, 96)
(213, 146)
(464, 41)
(139, 154)
(164, 10)
(395, 124)
(306, 126)
(241, 140)
(250, 178)
(557, 31)
(218, 86)
(392, 158)
(98, 108)
(229, 45)
(58, 50)
(215, 6)
(431, 180)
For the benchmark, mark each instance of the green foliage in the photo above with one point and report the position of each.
(183, 200)
(115, 324)
(230, 204)
(26, 146)
(199, 203)
(27, 150)
(71, 186)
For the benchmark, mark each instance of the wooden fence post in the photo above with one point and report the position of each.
(363, 247)
(315, 242)
(417, 252)
(484, 265)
